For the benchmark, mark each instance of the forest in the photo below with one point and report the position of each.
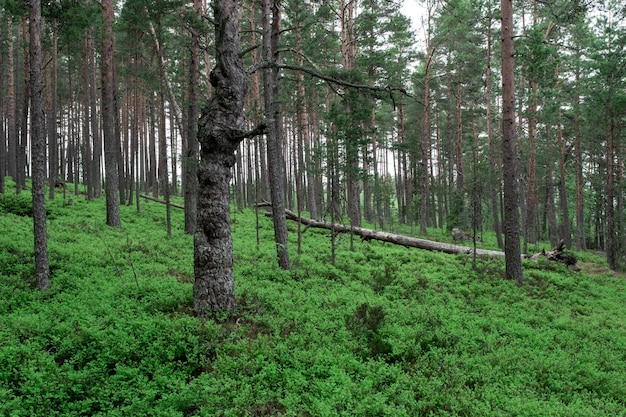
(257, 208)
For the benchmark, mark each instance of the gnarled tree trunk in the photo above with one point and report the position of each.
(220, 131)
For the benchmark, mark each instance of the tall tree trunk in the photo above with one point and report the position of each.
(111, 149)
(86, 126)
(425, 144)
(493, 149)
(23, 119)
(304, 132)
(134, 137)
(271, 85)
(11, 108)
(532, 202)
(42, 268)
(512, 248)
(460, 171)
(191, 156)
(173, 153)
(96, 167)
(221, 129)
(348, 53)
(578, 168)
(53, 162)
(163, 166)
(564, 230)
(553, 235)
(153, 174)
(611, 243)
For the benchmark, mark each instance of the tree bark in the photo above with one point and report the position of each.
(108, 119)
(564, 230)
(611, 244)
(220, 130)
(96, 167)
(53, 163)
(191, 155)
(578, 169)
(494, 172)
(20, 178)
(425, 143)
(11, 105)
(163, 170)
(509, 150)
(271, 85)
(532, 202)
(42, 269)
(86, 126)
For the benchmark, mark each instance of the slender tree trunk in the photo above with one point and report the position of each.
(271, 84)
(11, 105)
(191, 156)
(553, 235)
(42, 269)
(53, 162)
(512, 248)
(565, 232)
(88, 159)
(163, 166)
(493, 149)
(173, 154)
(611, 243)
(111, 150)
(578, 168)
(460, 171)
(96, 162)
(304, 132)
(153, 170)
(532, 202)
(23, 119)
(425, 144)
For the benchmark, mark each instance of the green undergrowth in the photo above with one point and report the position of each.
(386, 331)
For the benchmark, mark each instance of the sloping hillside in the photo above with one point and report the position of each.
(387, 331)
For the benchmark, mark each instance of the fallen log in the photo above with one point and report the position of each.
(369, 234)
(147, 197)
(556, 254)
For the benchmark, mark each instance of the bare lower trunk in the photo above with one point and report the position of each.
(214, 286)
(111, 149)
(42, 268)
(509, 150)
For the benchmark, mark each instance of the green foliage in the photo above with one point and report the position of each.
(387, 331)
(18, 204)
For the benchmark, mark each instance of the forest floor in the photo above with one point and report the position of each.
(386, 331)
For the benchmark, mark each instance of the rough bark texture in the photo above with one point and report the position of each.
(509, 150)
(108, 119)
(221, 129)
(38, 138)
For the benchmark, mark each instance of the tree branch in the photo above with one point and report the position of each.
(317, 74)
(259, 129)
